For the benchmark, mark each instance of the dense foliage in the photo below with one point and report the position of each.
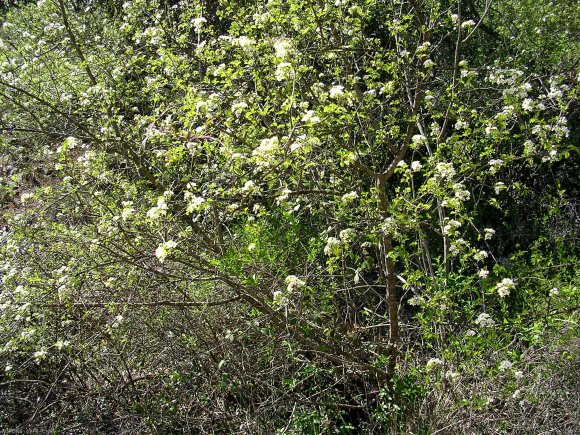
(350, 216)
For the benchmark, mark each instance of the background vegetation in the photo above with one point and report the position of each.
(350, 216)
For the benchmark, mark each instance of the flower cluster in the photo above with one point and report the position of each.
(416, 166)
(505, 365)
(198, 24)
(283, 197)
(445, 171)
(279, 298)
(310, 117)
(238, 108)
(293, 283)
(282, 48)
(40, 355)
(349, 197)
(480, 256)
(266, 150)
(461, 194)
(160, 210)
(494, 165)
(164, 250)
(332, 248)
(243, 42)
(336, 92)
(128, 210)
(451, 226)
(504, 287)
(194, 202)
(484, 320)
(433, 362)
(249, 187)
(418, 140)
(483, 273)
(284, 71)
(347, 235)
(489, 233)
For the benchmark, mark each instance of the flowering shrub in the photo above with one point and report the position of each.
(228, 213)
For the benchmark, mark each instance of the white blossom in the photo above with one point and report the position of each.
(159, 211)
(451, 226)
(266, 150)
(194, 202)
(423, 47)
(350, 196)
(284, 193)
(433, 362)
(332, 247)
(310, 117)
(506, 112)
(61, 344)
(198, 23)
(489, 233)
(294, 283)
(490, 130)
(39, 355)
(164, 250)
(284, 71)
(461, 193)
(555, 93)
(451, 375)
(26, 196)
(445, 170)
(347, 235)
(416, 300)
(505, 365)
(243, 42)
(418, 140)
(484, 320)
(528, 104)
(238, 108)
(494, 165)
(428, 63)
(282, 48)
(504, 287)
(416, 166)
(249, 187)
(118, 320)
(220, 68)
(128, 210)
(280, 299)
(336, 92)
(537, 129)
(481, 255)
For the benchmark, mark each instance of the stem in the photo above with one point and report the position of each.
(390, 282)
